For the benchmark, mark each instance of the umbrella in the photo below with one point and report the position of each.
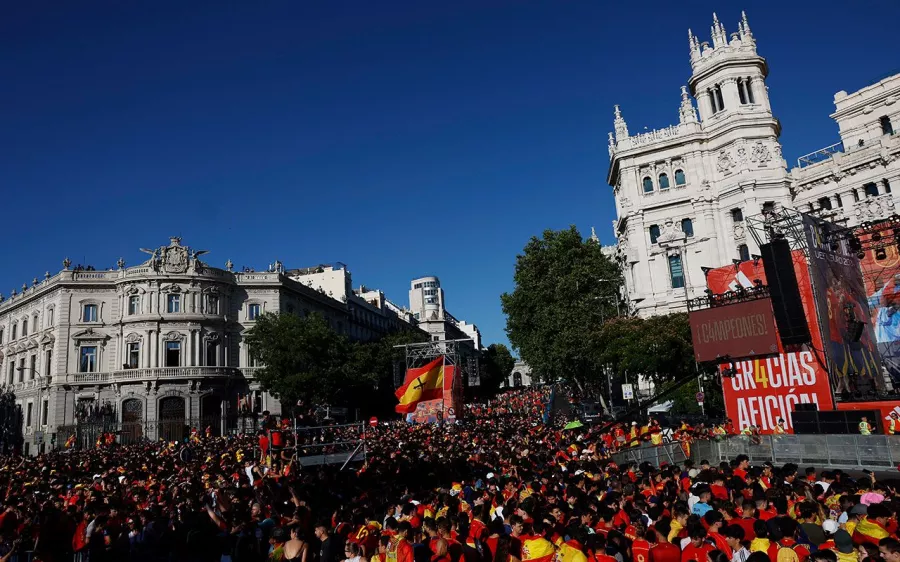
(573, 425)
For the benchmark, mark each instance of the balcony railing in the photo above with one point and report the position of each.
(155, 373)
(820, 155)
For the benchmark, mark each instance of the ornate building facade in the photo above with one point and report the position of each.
(683, 192)
(160, 341)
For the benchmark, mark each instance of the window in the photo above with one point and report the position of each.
(173, 303)
(253, 311)
(89, 313)
(12, 371)
(840, 202)
(871, 190)
(748, 85)
(48, 359)
(133, 355)
(134, 305)
(88, 359)
(416, 315)
(664, 181)
(687, 226)
(737, 215)
(212, 354)
(212, 304)
(679, 177)
(676, 272)
(852, 192)
(654, 233)
(24, 327)
(49, 317)
(45, 410)
(825, 203)
(22, 370)
(417, 286)
(173, 354)
(28, 408)
(14, 328)
(32, 370)
(768, 207)
(887, 186)
(715, 98)
(886, 127)
(1, 335)
(36, 324)
(745, 92)
(252, 360)
(743, 252)
(648, 185)
(435, 338)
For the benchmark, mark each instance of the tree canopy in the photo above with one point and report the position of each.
(565, 289)
(496, 365)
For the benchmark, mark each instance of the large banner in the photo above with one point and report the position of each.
(842, 301)
(447, 408)
(742, 329)
(882, 282)
(765, 389)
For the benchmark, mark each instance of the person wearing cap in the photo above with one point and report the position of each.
(843, 547)
(829, 527)
(854, 516)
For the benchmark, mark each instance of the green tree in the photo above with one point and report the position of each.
(303, 358)
(565, 288)
(496, 365)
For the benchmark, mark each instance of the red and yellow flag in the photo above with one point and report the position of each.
(424, 383)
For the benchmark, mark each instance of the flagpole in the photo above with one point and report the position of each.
(443, 387)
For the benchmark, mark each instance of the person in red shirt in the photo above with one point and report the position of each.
(713, 520)
(662, 550)
(640, 548)
(698, 548)
(743, 465)
(746, 522)
(718, 489)
(263, 446)
(404, 547)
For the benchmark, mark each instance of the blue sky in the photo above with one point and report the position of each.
(402, 138)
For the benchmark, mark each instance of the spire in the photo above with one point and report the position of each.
(686, 113)
(717, 30)
(594, 237)
(694, 45)
(620, 126)
(745, 23)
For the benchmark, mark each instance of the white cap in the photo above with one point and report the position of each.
(490, 475)
(830, 526)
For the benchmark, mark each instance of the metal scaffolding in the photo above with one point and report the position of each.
(783, 223)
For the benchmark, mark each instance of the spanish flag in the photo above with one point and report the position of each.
(424, 383)
(869, 532)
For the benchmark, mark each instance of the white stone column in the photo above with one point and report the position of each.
(705, 104)
(760, 96)
(730, 93)
(154, 349)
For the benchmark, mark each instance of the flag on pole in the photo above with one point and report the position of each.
(424, 383)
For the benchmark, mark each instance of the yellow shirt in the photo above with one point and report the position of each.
(674, 528)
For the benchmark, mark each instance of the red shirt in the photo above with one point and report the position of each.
(404, 552)
(697, 553)
(640, 551)
(746, 524)
(665, 552)
(263, 443)
(719, 492)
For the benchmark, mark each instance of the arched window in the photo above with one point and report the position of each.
(664, 181)
(654, 233)
(886, 127)
(648, 184)
(687, 226)
(24, 327)
(679, 177)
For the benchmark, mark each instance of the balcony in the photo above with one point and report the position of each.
(157, 373)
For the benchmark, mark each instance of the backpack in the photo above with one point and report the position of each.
(786, 554)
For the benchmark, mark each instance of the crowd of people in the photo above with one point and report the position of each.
(498, 486)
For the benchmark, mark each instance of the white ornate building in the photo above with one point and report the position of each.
(683, 192)
(161, 341)
(426, 302)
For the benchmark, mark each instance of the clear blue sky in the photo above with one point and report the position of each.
(402, 138)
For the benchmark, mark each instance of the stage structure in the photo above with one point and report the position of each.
(455, 368)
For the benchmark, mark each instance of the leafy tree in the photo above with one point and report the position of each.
(565, 289)
(303, 358)
(496, 365)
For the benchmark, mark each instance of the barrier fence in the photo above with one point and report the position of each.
(847, 452)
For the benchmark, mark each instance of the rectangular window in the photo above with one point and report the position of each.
(45, 411)
(253, 311)
(741, 92)
(676, 272)
(687, 226)
(886, 185)
(825, 203)
(855, 195)
(48, 360)
(737, 215)
(24, 327)
(840, 202)
(22, 370)
(212, 354)
(49, 317)
(871, 190)
(173, 303)
(654, 233)
(744, 252)
(133, 355)
(28, 408)
(252, 360)
(1, 335)
(12, 371)
(212, 304)
(173, 354)
(89, 313)
(134, 305)
(14, 329)
(886, 127)
(88, 362)
(32, 367)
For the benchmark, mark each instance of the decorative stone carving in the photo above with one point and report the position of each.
(875, 208)
(120, 263)
(211, 336)
(229, 265)
(670, 233)
(739, 232)
(173, 336)
(742, 155)
(760, 154)
(66, 263)
(724, 162)
(133, 337)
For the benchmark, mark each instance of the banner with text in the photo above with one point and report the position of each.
(766, 389)
(743, 329)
